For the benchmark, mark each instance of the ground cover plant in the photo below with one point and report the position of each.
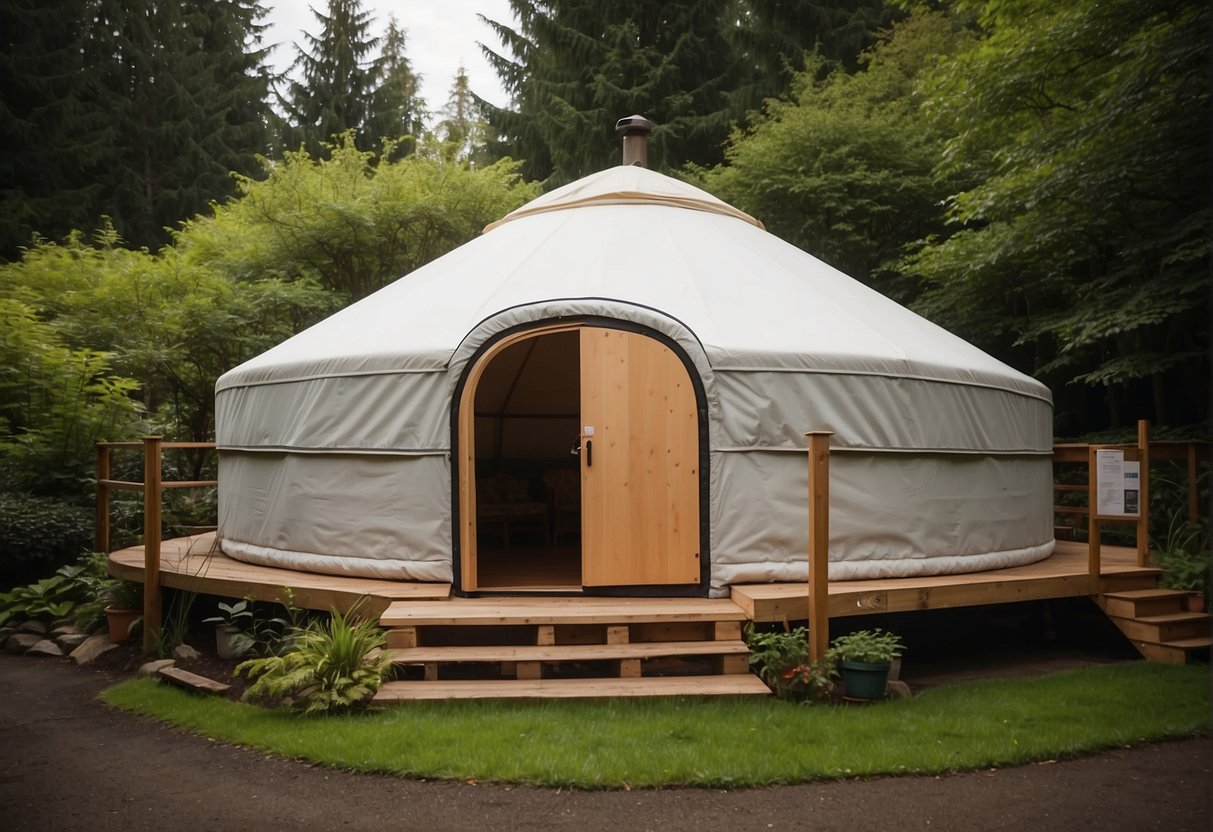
(717, 743)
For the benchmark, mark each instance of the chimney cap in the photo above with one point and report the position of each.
(634, 125)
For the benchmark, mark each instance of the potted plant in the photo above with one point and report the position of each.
(865, 657)
(231, 639)
(123, 608)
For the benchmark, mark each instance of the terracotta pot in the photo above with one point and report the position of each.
(120, 621)
(1196, 603)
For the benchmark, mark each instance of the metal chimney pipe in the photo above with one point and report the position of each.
(635, 132)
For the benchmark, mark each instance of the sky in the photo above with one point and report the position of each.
(441, 35)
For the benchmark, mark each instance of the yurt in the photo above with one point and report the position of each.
(607, 392)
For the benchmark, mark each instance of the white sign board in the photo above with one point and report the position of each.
(1117, 484)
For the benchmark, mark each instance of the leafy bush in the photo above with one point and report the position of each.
(1184, 555)
(59, 595)
(331, 665)
(56, 403)
(38, 535)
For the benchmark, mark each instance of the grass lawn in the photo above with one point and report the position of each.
(712, 742)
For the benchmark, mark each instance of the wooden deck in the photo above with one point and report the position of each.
(195, 563)
(1063, 575)
(529, 646)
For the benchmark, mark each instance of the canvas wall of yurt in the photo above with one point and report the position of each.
(608, 391)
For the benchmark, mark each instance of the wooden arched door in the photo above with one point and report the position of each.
(639, 461)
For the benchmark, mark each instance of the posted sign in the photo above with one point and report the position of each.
(1118, 484)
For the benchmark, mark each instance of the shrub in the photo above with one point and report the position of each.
(38, 535)
(331, 665)
(781, 659)
(71, 589)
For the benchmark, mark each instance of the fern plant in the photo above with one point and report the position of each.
(333, 665)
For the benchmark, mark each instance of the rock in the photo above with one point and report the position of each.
(152, 668)
(896, 689)
(185, 653)
(71, 641)
(32, 626)
(45, 647)
(92, 647)
(21, 642)
(5, 632)
(67, 629)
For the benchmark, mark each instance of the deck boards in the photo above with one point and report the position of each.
(1063, 575)
(194, 563)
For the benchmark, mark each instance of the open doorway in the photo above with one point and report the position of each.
(528, 499)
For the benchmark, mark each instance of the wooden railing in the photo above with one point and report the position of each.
(1081, 459)
(1083, 454)
(153, 486)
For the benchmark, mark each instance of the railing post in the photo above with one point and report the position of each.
(1143, 497)
(151, 541)
(102, 523)
(819, 543)
(1092, 519)
(1193, 491)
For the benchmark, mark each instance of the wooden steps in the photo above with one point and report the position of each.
(732, 685)
(1159, 624)
(567, 652)
(566, 647)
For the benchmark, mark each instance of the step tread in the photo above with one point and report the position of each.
(1172, 617)
(566, 610)
(566, 652)
(1189, 643)
(735, 685)
(1149, 594)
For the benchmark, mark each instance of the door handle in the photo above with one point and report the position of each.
(589, 453)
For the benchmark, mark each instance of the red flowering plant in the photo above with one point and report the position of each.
(781, 659)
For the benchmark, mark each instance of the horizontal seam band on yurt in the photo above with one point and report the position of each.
(722, 209)
(338, 449)
(237, 385)
(850, 449)
(723, 370)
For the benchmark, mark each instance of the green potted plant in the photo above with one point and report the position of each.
(123, 608)
(231, 637)
(865, 657)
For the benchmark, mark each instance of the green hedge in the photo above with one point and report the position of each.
(38, 535)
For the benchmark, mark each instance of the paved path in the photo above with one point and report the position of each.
(67, 762)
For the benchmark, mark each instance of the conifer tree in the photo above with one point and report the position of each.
(131, 108)
(573, 67)
(397, 109)
(460, 132)
(54, 134)
(337, 79)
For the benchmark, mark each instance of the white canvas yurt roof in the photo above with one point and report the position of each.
(335, 445)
